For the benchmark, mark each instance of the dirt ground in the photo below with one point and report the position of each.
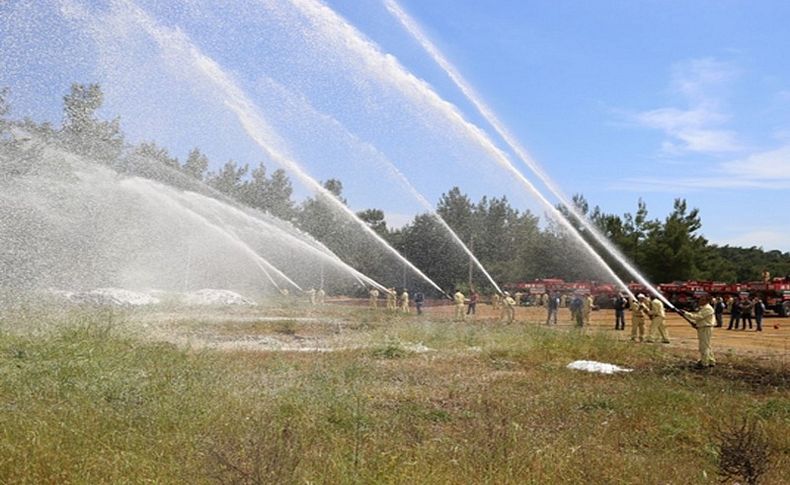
(772, 343)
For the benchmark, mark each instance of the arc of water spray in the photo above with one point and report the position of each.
(320, 251)
(413, 28)
(392, 169)
(261, 262)
(388, 69)
(269, 222)
(252, 122)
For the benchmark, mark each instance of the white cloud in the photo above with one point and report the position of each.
(770, 165)
(761, 170)
(697, 78)
(697, 127)
(767, 239)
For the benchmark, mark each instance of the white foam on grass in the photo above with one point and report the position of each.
(110, 296)
(599, 367)
(216, 297)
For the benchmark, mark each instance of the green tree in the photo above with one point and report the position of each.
(672, 250)
(83, 132)
(374, 218)
(154, 152)
(196, 164)
(229, 179)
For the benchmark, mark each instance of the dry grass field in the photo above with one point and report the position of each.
(341, 394)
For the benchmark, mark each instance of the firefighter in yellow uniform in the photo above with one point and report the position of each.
(320, 297)
(458, 300)
(374, 298)
(391, 295)
(404, 301)
(508, 308)
(587, 304)
(657, 317)
(704, 321)
(496, 301)
(637, 319)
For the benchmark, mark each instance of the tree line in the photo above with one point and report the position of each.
(513, 245)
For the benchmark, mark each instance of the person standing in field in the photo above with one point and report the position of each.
(311, 295)
(472, 303)
(419, 300)
(718, 311)
(637, 319)
(508, 308)
(587, 306)
(759, 311)
(321, 296)
(459, 299)
(552, 305)
(391, 299)
(657, 318)
(703, 320)
(404, 301)
(496, 301)
(575, 308)
(746, 313)
(735, 315)
(620, 304)
(373, 301)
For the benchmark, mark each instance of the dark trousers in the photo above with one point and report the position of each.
(719, 319)
(471, 309)
(758, 319)
(419, 307)
(744, 319)
(619, 319)
(734, 319)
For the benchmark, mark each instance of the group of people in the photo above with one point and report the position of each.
(644, 309)
(396, 301)
(316, 297)
(741, 312)
(505, 303)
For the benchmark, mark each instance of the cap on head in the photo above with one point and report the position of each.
(640, 296)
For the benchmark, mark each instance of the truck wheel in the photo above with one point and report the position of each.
(785, 309)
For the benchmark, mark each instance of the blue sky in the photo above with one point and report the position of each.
(616, 100)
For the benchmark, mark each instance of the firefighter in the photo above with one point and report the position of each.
(311, 295)
(496, 301)
(704, 321)
(637, 319)
(766, 276)
(657, 317)
(508, 308)
(587, 304)
(391, 295)
(374, 298)
(321, 296)
(404, 301)
(459, 299)
(517, 297)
